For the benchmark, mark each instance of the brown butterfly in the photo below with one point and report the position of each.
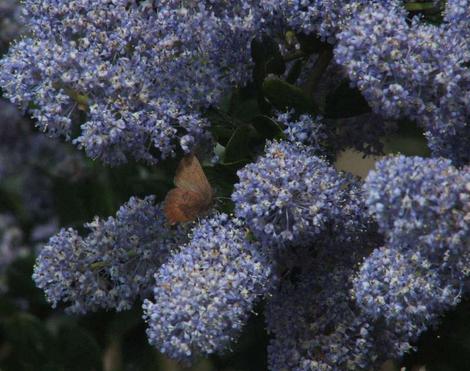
(193, 195)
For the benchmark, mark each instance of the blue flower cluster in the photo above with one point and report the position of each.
(113, 265)
(206, 291)
(324, 18)
(422, 206)
(415, 70)
(315, 325)
(314, 322)
(138, 73)
(288, 194)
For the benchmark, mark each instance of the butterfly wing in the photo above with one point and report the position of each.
(190, 177)
(193, 195)
(182, 206)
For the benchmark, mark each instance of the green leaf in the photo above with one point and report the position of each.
(408, 140)
(284, 96)
(295, 71)
(245, 110)
(238, 148)
(416, 7)
(267, 128)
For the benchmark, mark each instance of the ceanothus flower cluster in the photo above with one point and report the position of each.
(313, 321)
(288, 194)
(113, 265)
(414, 70)
(324, 18)
(137, 73)
(315, 325)
(206, 291)
(423, 207)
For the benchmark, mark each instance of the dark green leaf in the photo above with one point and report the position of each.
(295, 71)
(284, 96)
(267, 57)
(238, 148)
(419, 6)
(267, 128)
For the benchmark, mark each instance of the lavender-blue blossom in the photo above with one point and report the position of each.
(206, 291)
(422, 206)
(414, 70)
(313, 321)
(406, 291)
(113, 265)
(138, 73)
(318, 17)
(288, 194)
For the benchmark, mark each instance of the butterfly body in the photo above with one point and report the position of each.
(193, 195)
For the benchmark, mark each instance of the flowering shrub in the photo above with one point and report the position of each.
(268, 95)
